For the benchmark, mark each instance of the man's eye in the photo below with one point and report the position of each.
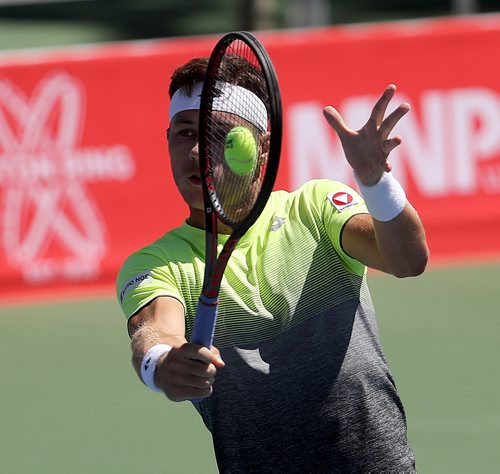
(187, 133)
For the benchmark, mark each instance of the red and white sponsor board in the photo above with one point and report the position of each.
(84, 171)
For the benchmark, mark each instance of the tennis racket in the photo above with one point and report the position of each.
(240, 91)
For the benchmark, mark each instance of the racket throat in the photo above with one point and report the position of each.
(213, 286)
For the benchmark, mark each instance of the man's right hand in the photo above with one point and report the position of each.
(188, 372)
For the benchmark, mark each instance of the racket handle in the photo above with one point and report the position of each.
(204, 323)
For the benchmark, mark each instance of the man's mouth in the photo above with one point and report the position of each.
(195, 179)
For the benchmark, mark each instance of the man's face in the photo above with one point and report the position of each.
(184, 158)
(183, 150)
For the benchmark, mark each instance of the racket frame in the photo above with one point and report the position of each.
(204, 327)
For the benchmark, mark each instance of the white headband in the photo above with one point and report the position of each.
(233, 99)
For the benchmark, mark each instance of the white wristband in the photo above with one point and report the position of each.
(149, 362)
(386, 199)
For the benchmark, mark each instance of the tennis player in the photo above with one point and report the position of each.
(296, 380)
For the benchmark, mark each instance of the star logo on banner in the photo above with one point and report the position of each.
(51, 227)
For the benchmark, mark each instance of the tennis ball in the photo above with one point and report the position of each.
(240, 151)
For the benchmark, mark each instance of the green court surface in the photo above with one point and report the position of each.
(71, 404)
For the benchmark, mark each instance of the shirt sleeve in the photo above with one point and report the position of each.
(336, 203)
(142, 278)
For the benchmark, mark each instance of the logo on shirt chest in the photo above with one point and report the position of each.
(342, 200)
(277, 223)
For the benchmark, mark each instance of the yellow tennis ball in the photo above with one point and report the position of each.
(240, 151)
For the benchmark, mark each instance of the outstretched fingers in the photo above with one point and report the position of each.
(380, 107)
(336, 121)
(392, 119)
(390, 144)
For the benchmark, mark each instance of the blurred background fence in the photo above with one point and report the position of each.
(28, 23)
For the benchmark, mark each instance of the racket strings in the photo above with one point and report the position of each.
(234, 193)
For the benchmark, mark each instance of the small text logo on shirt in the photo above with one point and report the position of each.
(133, 283)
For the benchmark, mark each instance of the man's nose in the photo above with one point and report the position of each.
(193, 154)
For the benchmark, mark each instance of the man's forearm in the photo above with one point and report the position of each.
(402, 244)
(146, 337)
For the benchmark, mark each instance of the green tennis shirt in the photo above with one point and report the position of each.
(306, 387)
(265, 287)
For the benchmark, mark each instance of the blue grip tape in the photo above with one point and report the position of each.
(204, 323)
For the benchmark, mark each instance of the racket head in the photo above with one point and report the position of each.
(240, 90)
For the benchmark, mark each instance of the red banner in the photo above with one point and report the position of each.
(84, 169)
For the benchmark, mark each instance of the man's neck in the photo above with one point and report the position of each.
(197, 219)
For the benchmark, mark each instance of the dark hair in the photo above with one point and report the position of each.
(186, 76)
(234, 70)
